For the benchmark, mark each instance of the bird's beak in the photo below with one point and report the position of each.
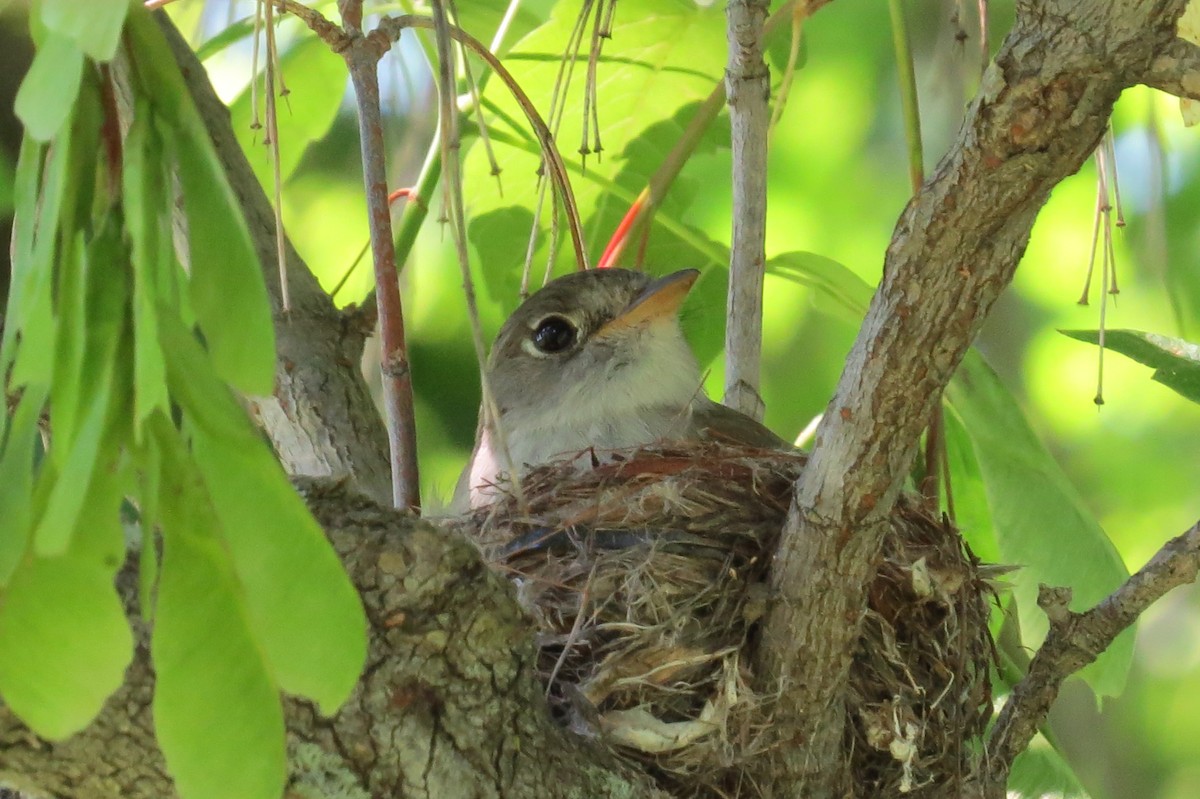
(659, 300)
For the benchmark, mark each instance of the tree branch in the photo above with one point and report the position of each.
(748, 87)
(1176, 70)
(362, 60)
(1074, 641)
(449, 703)
(1042, 108)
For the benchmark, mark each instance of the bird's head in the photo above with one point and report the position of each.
(594, 345)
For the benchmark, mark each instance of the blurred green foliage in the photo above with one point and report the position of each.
(837, 183)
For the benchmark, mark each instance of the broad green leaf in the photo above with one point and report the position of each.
(66, 498)
(30, 310)
(480, 18)
(7, 186)
(1041, 523)
(46, 95)
(227, 291)
(1176, 363)
(217, 714)
(16, 478)
(144, 190)
(1040, 771)
(306, 614)
(232, 34)
(318, 80)
(101, 396)
(70, 332)
(971, 512)
(66, 640)
(652, 86)
(837, 288)
(95, 26)
(226, 287)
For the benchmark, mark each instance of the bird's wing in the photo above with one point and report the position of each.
(717, 422)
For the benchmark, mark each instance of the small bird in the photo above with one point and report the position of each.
(594, 362)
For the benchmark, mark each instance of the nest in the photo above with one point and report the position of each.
(645, 577)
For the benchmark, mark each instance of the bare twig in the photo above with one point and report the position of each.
(273, 143)
(748, 86)
(1075, 640)
(362, 58)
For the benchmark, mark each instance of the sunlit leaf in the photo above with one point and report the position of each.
(145, 196)
(216, 707)
(1040, 771)
(75, 457)
(1040, 521)
(48, 91)
(971, 512)
(317, 78)
(95, 26)
(305, 613)
(652, 85)
(65, 503)
(1176, 363)
(230, 35)
(16, 478)
(226, 287)
(30, 314)
(66, 640)
(836, 287)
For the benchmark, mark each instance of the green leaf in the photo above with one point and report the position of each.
(227, 291)
(66, 640)
(144, 186)
(95, 26)
(30, 311)
(305, 613)
(16, 478)
(1040, 771)
(971, 512)
(837, 288)
(66, 498)
(100, 396)
(1041, 522)
(319, 78)
(653, 85)
(217, 714)
(1176, 363)
(48, 92)
(226, 288)
(232, 34)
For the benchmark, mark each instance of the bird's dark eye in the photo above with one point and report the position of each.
(553, 334)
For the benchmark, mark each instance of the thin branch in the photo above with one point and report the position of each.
(1075, 640)
(748, 86)
(362, 59)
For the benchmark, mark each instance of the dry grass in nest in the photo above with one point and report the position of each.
(645, 577)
